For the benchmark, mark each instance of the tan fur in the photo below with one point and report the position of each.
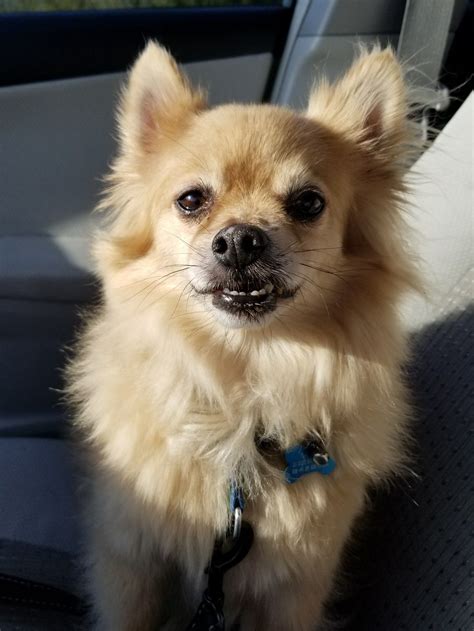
(169, 398)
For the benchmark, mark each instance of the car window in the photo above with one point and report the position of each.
(10, 6)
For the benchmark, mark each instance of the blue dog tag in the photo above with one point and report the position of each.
(302, 460)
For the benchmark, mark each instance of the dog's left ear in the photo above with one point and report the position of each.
(368, 104)
(156, 101)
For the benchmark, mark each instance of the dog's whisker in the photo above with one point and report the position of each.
(289, 248)
(224, 341)
(341, 269)
(321, 295)
(339, 247)
(160, 296)
(149, 284)
(279, 319)
(199, 328)
(181, 264)
(325, 271)
(149, 293)
(189, 313)
(179, 299)
(155, 283)
(190, 293)
(201, 254)
(311, 281)
(183, 267)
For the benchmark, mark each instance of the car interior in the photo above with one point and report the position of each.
(410, 564)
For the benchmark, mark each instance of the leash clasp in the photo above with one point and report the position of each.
(236, 507)
(228, 552)
(236, 523)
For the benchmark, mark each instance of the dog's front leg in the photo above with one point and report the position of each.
(127, 596)
(126, 574)
(290, 608)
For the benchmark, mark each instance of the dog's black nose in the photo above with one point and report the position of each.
(239, 245)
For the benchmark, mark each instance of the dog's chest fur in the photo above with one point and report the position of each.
(178, 439)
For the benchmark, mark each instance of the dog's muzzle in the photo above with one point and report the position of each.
(247, 278)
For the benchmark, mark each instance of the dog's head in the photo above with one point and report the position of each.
(254, 214)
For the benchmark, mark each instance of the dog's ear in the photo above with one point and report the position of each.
(368, 104)
(156, 101)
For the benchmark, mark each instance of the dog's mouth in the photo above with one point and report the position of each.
(248, 300)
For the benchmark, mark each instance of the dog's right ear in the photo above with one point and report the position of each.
(157, 99)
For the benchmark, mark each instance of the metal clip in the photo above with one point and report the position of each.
(237, 505)
(237, 523)
(321, 459)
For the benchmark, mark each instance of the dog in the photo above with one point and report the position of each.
(252, 265)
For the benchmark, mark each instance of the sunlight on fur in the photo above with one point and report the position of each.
(209, 336)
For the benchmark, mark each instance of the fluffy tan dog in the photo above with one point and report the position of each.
(251, 269)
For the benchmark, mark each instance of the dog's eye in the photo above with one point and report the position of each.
(191, 201)
(305, 205)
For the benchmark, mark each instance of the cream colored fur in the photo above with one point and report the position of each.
(169, 398)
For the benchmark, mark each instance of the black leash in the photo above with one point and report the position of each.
(228, 552)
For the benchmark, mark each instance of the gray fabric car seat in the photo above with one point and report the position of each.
(411, 566)
(49, 185)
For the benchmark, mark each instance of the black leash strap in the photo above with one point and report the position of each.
(227, 554)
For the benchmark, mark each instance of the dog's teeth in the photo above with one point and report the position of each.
(254, 293)
(242, 293)
(269, 288)
(226, 290)
(234, 293)
(262, 292)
